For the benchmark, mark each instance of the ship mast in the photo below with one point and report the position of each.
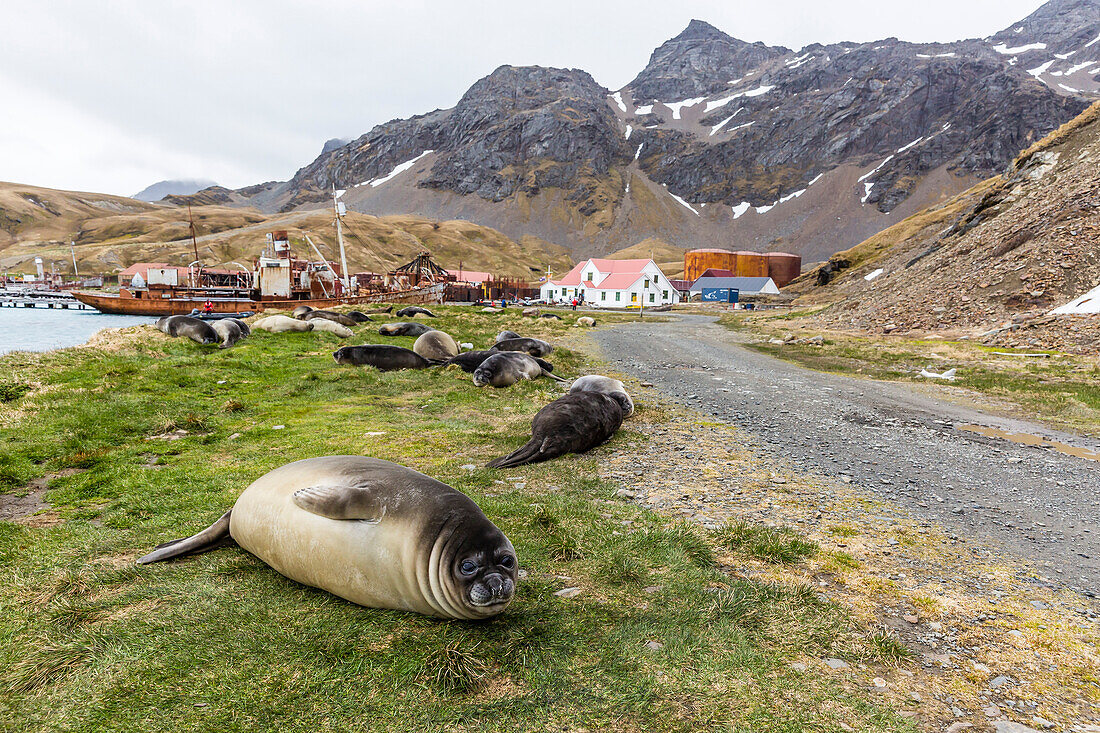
(339, 211)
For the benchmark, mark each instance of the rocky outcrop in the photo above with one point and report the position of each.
(716, 138)
(700, 61)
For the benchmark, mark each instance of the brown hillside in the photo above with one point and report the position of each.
(999, 256)
(112, 232)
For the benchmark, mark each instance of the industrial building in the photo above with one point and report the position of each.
(781, 267)
(744, 285)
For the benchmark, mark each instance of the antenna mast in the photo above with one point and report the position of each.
(339, 210)
(72, 251)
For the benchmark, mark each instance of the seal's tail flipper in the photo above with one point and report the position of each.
(555, 377)
(531, 452)
(211, 538)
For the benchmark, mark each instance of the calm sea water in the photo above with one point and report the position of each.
(42, 329)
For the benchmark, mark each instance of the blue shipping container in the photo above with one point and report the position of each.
(721, 295)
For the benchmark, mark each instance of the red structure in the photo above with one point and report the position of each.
(783, 267)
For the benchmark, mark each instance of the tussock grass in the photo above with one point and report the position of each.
(92, 642)
(779, 545)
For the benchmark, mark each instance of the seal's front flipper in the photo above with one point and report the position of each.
(211, 538)
(340, 502)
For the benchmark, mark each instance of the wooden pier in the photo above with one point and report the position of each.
(64, 301)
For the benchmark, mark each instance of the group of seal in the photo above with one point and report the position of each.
(224, 332)
(372, 532)
(380, 534)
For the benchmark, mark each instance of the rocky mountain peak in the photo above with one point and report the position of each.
(700, 61)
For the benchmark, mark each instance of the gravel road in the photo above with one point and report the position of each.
(1038, 504)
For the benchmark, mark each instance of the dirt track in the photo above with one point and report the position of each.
(1039, 505)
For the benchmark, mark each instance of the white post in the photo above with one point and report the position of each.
(73, 251)
(340, 239)
(320, 280)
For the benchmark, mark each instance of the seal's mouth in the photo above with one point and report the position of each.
(492, 591)
(479, 380)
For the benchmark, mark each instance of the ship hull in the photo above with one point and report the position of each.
(181, 306)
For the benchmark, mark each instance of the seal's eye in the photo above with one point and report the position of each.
(506, 561)
(468, 567)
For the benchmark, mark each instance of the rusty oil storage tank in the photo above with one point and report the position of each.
(698, 261)
(750, 264)
(783, 267)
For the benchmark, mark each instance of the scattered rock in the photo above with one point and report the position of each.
(568, 592)
(835, 663)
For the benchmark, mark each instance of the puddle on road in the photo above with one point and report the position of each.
(1033, 440)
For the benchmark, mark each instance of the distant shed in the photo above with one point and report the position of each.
(745, 285)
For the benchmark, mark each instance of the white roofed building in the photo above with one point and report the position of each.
(613, 284)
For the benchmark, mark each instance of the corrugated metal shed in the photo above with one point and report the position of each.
(747, 285)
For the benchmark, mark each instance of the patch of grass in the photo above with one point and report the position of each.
(93, 642)
(842, 530)
(840, 561)
(11, 391)
(886, 647)
(779, 545)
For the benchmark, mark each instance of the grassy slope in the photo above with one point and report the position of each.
(221, 642)
(113, 232)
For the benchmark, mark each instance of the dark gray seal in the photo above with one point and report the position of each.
(301, 311)
(404, 328)
(372, 532)
(359, 317)
(534, 347)
(329, 316)
(555, 316)
(470, 360)
(505, 368)
(381, 356)
(575, 423)
(195, 329)
(505, 335)
(608, 386)
(245, 328)
(414, 310)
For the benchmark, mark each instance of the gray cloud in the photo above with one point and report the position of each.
(113, 96)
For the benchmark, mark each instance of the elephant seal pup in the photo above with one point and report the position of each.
(330, 316)
(586, 321)
(245, 329)
(282, 324)
(301, 311)
(228, 331)
(436, 346)
(608, 386)
(505, 368)
(555, 316)
(404, 328)
(470, 360)
(534, 347)
(324, 324)
(359, 317)
(505, 335)
(371, 532)
(383, 357)
(414, 310)
(575, 423)
(195, 329)
(531, 312)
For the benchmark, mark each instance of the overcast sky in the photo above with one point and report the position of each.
(112, 96)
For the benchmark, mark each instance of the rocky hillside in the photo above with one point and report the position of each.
(111, 232)
(720, 142)
(160, 189)
(990, 264)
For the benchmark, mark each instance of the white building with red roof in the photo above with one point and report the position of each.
(613, 284)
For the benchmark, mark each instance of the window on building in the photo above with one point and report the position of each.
(633, 297)
(588, 277)
(617, 296)
(652, 296)
(603, 295)
(646, 283)
(664, 295)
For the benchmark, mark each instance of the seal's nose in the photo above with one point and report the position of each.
(495, 583)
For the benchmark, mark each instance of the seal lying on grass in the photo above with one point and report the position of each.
(575, 423)
(372, 532)
(340, 318)
(195, 329)
(381, 356)
(404, 328)
(608, 386)
(505, 368)
(534, 347)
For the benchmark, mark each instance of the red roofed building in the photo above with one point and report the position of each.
(613, 283)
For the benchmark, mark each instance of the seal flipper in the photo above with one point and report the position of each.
(547, 369)
(215, 536)
(340, 502)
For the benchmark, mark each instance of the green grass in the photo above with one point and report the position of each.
(778, 545)
(220, 642)
(1062, 390)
